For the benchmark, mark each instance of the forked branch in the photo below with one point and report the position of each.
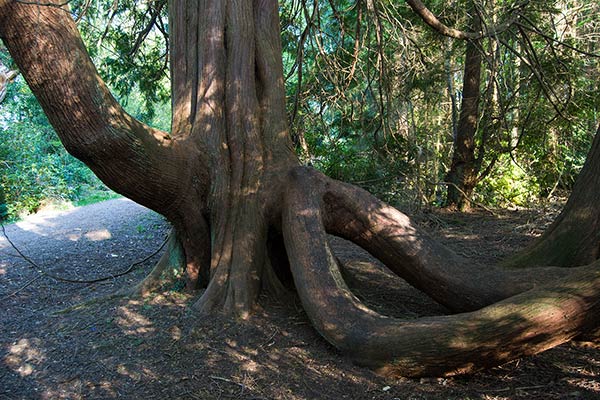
(432, 20)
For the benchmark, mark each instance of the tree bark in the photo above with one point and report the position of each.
(243, 210)
(521, 325)
(218, 176)
(462, 176)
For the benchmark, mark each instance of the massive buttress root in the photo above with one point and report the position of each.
(521, 325)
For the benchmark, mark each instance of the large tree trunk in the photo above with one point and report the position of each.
(574, 237)
(464, 170)
(241, 206)
(228, 100)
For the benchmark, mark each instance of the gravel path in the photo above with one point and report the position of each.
(82, 243)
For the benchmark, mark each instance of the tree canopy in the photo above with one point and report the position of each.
(381, 109)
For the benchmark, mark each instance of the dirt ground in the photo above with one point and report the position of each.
(156, 348)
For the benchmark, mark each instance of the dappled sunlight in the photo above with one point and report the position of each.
(129, 371)
(243, 355)
(175, 332)
(134, 323)
(101, 234)
(47, 223)
(40, 224)
(94, 235)
(72, 389)
(24, 356)
(250, 366)
(73, 237)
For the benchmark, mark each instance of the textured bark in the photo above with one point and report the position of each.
(574, 237)
(389, 235)
(464, 170)
(246, 216)
(217, 176)
(520, 325)
(228, 100)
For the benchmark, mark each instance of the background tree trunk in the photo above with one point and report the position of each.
(462, 176)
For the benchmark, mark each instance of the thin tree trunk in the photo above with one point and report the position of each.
(462, 176)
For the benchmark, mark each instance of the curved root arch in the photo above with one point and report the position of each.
(521, 325)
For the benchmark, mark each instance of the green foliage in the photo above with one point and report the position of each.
(364, 96)
(35, 167)
(373, 94)
(509, 185)
(127, 40)
(371, 90)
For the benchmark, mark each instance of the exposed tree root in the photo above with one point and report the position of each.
(521, 325)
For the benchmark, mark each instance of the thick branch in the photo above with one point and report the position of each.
(133, 159)
(390, 236)
(430, 19)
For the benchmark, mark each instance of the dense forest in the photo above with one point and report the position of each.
(375, 97)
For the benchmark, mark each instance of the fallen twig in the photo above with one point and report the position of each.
(21, 288)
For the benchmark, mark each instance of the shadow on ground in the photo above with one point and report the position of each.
(156, 348)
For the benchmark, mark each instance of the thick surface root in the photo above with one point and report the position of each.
(525, 324)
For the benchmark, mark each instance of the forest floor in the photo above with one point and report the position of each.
(155, 348)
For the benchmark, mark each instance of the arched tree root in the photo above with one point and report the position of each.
(523, 324)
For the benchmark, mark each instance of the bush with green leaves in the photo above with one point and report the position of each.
(510, 185)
